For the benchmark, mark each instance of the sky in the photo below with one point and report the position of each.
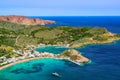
(60, 7)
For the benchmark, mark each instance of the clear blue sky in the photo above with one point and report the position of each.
(60, 7)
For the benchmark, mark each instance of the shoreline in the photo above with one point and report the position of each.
(21, 61)
(94, 42)
(29, 59)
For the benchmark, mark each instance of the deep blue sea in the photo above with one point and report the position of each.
(105, 58)
(112, 23)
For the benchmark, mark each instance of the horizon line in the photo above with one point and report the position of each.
(62, 15)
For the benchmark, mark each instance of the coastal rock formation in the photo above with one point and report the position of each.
(74, 55)
(25, 21)
(79, 56)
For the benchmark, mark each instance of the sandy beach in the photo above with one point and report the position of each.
(20, 61)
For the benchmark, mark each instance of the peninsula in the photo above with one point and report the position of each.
(18, 41)
(25, 20)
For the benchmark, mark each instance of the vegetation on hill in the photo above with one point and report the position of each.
(19, 36)
(74, 55)
(7, 52)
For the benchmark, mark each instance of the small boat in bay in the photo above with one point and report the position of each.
(56, 74)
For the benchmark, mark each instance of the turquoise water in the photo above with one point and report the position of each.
(37, 70)
(105, 66)
(105, 58)
(52, 49)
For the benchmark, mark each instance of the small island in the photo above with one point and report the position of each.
(18, 41)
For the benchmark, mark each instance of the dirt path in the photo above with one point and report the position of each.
(17, 39)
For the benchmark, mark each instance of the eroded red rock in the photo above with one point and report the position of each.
(25, 20)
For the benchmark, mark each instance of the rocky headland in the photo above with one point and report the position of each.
(25, 20)
(74, 56)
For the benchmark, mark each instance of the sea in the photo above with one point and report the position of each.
(105, 58)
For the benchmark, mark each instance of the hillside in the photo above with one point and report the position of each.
(25, 20)
(19, 36)
(74, 55)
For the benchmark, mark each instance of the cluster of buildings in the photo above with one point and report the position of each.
(29, 52)
(25, 54)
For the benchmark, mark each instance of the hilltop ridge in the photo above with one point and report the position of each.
(25, 20)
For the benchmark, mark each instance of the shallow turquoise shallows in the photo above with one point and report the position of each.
(105, 66)
(52, 49)
(32, 70)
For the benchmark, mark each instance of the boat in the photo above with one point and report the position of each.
(56, 74)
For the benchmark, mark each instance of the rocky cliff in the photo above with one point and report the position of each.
(74, 55)
(25, 20)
